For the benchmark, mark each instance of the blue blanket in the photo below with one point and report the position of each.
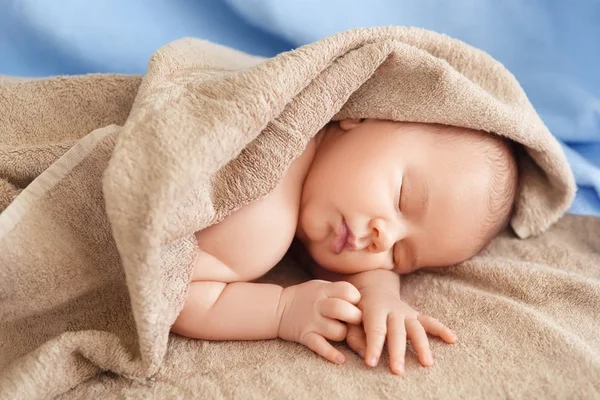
(551, 46)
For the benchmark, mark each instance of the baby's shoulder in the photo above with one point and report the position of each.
(253, 239)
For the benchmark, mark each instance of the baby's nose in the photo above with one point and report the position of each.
(381, 238)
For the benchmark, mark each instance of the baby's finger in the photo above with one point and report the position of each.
(339, 309)
(396, 339)
(343, 290)
(418, 337)
(436, 328)
(356, 339)
(333, 330)
(375, 325)
(322, 347)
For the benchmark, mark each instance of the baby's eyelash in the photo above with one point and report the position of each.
(394, 262)
(400, 196)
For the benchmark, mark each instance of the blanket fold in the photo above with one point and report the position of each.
(104, 178)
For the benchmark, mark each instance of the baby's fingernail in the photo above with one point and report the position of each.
(361, 353)
(340, 359)
(429, 360)
(399, 368)
(373, 361)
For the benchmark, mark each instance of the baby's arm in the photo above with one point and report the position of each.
(309, 313)
(230, 311)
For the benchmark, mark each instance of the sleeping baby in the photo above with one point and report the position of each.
(368, 200)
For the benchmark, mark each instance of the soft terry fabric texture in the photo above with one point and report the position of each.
(105, 179)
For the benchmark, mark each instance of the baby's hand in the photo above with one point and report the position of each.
(312, 312)
(385, 315)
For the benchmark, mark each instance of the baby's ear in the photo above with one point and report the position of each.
(348, 124)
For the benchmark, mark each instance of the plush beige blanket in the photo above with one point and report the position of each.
(104, 179)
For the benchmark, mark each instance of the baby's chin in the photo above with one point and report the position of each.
(328, 260)
(336, 263)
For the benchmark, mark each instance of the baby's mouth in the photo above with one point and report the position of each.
(343, 239)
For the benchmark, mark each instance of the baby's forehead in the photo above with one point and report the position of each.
(495, 149)
(464, 146)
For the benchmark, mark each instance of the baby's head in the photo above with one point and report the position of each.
(402, 196)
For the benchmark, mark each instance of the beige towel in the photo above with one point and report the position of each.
(117, 173)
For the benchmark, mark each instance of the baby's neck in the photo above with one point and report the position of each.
(320, 136)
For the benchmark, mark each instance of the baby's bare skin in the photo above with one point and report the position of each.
(362, 183)
(218, 305)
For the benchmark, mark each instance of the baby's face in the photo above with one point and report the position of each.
(386, 195)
